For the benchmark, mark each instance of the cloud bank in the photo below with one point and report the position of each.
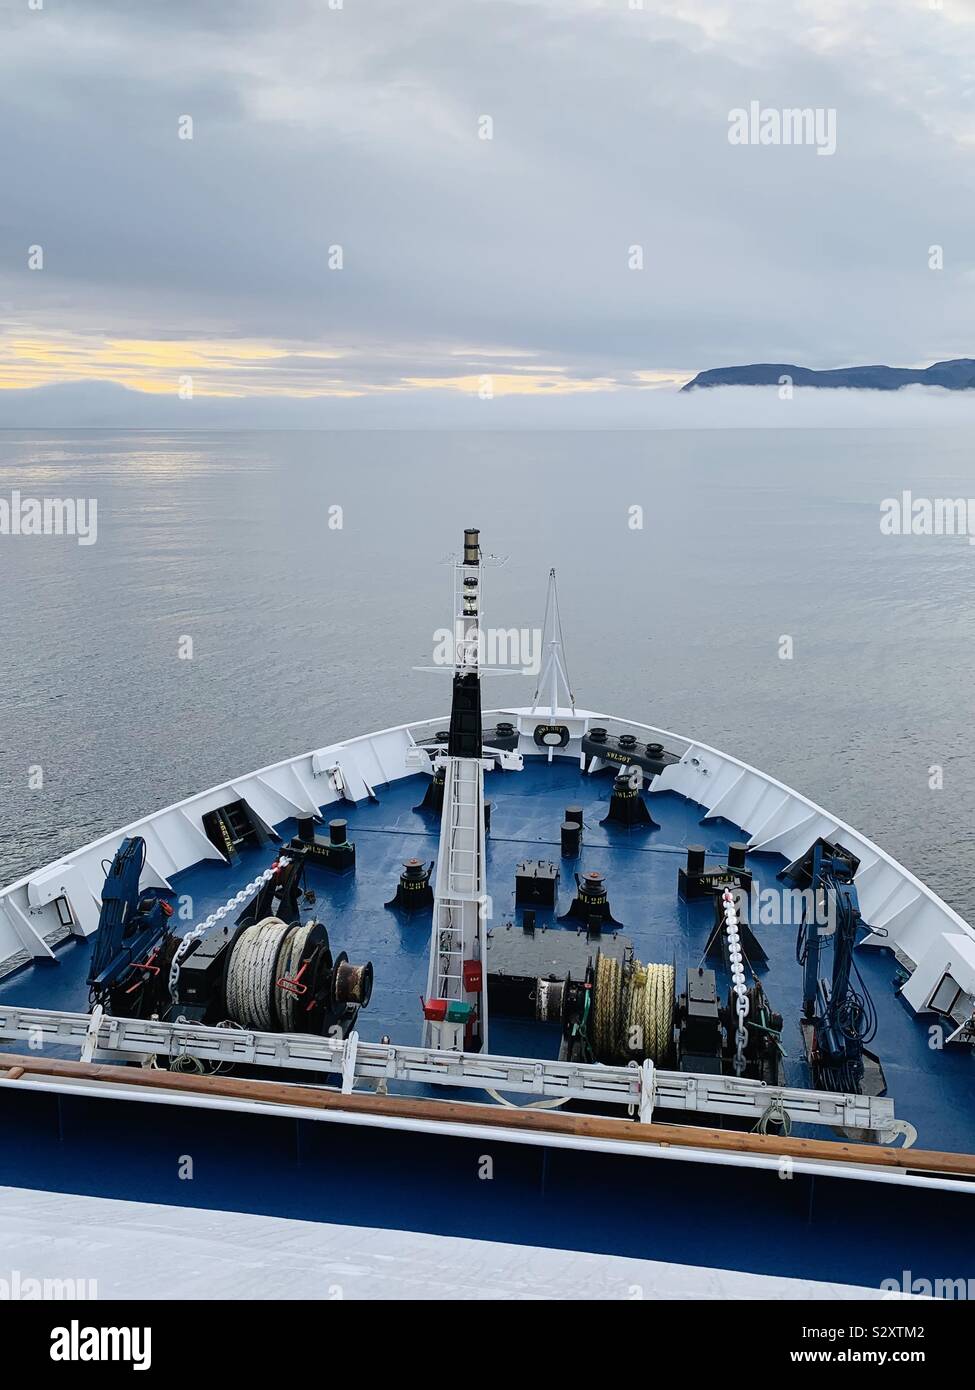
(105, 406)
(338, 227)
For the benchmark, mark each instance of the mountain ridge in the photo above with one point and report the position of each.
(955, 374)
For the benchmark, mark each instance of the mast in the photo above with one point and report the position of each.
(465, 707)
(455, 1006)
(553, 671)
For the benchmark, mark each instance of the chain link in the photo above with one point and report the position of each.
(736, 961)
(237, 900)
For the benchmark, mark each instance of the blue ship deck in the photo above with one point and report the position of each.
(932, 1089)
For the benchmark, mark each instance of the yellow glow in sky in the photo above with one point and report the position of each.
(250, 368)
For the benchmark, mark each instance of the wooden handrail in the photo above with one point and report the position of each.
(273, 1093)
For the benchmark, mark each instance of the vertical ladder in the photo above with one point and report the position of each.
(455, 1007)
(460, 903)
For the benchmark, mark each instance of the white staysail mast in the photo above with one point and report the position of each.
(553, 674)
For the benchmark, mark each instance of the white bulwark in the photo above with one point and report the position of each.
(63, 898)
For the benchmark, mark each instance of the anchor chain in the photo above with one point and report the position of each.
(736, 961)
(237, 900)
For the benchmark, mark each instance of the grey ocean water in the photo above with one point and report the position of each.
(303, 634)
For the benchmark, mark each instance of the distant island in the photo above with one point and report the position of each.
(957, 375)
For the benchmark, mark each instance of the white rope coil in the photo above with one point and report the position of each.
(289, 956)
(252, 974)
(238, 900)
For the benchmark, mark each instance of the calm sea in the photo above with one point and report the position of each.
(303, 633)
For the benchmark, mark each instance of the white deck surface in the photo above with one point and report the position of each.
(142, 1250)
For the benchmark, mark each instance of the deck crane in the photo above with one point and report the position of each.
(839, 1018)
(455, 1005)
(134, 941)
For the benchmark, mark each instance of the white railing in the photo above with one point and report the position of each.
(638, 1089)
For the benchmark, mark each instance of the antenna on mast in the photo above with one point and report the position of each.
(553, 670)
(465, 709)
(463, 654)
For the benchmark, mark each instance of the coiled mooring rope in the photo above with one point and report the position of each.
(650, 1012)
(774, 1113)
(606, 1008)
(633, 1011)
(290, 956)
(252, 974)
(236, 901)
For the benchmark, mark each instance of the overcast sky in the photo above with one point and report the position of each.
(467, 259)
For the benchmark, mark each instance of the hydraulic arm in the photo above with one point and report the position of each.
(838, 1013)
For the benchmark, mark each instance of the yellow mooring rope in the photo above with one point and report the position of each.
(632, 1016)
(606, 1007)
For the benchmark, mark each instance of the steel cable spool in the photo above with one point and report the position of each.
(252, 974)
(550, 1000)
